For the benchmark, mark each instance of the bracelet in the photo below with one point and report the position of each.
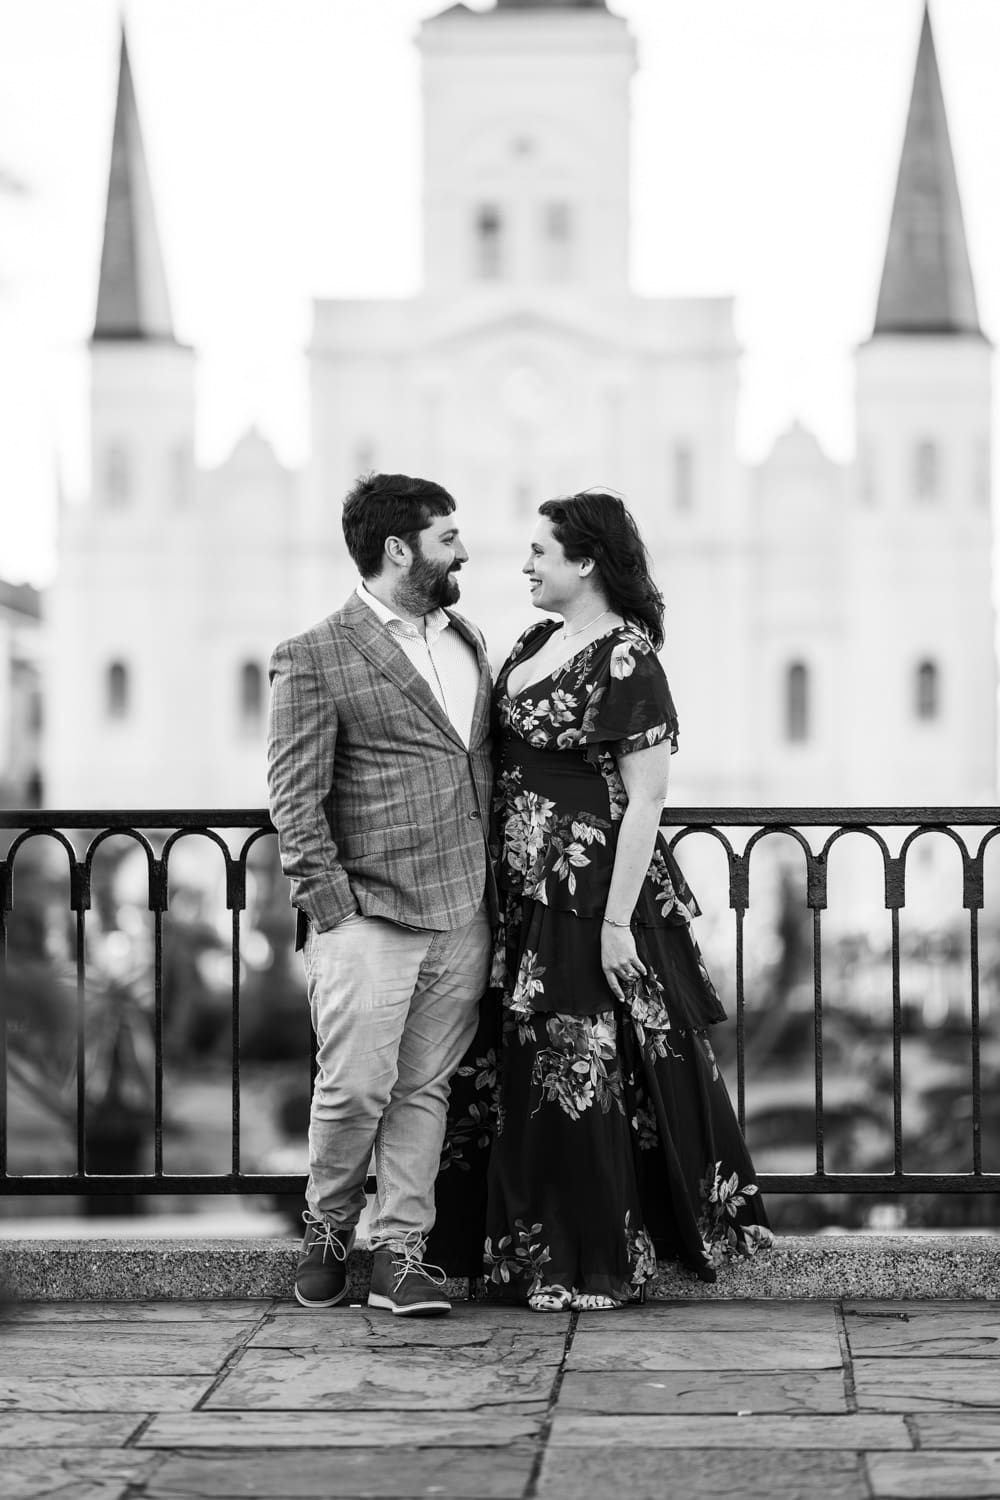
(615, 924)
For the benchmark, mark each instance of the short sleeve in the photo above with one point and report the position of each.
(631, 707)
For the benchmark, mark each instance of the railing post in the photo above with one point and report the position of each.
(236, 900)
(973, 899)
(816, 892)
(79, 900)
(739, 900)
(6, 905)
(158, 902)
(895, 899)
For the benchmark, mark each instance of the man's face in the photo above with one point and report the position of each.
(432, 580)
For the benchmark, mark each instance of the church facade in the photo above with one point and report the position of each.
(830, 629)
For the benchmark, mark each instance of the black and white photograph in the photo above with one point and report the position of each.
(499, 813)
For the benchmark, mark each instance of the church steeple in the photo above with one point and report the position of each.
(927, 280)
(132, 300)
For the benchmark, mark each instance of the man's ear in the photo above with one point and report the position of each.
(396, 550)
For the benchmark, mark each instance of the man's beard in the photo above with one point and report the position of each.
(427, 586)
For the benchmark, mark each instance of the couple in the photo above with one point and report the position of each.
(615, 1138)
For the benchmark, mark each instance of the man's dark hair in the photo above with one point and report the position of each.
(384, 505)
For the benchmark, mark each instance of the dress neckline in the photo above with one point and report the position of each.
(541, 640)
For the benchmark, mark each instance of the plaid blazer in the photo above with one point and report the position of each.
(379, 805)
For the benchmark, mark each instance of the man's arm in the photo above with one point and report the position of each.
(301, 745)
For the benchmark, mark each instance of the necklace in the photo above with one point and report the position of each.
(569, 634)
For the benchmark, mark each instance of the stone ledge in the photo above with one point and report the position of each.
(851, 1265)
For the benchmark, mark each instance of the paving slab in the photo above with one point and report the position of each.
(927, 1334)
(345, 1429)
(473, 1317)
(490, 1337)
(694, 1349)
(62, 1313)
(122, 1393)
(934, 1476)
(722, 1391)
(74, 1473)
(840, 1433)
(82, 1429)
(355, 1379)
(386, 1474)
(96, 1349)
(925, 1385)
(912, 1307)
(699, 1474)
(747, 1317)
(960, 1429)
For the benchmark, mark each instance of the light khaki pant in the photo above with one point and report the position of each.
(393, 1011)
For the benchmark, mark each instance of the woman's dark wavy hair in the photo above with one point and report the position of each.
(598, 525)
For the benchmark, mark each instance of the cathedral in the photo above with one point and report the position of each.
(830, 629)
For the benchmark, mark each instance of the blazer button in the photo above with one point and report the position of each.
(474, 814)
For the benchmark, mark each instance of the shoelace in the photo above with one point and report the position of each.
(326, 1234)
(406, 1260)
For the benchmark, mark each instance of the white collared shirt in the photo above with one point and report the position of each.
(444, 659)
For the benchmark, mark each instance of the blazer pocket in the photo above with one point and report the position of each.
(379, 840)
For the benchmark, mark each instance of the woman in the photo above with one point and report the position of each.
(615, 1137)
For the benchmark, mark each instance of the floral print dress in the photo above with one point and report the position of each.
(613, 1136)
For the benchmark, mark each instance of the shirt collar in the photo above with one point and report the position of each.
(434, 623)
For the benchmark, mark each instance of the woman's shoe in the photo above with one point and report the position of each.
(550, 1299)
(592, 1302)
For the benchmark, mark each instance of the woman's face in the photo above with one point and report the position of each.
(555, 582)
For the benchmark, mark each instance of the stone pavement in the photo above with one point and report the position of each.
(832, 1399)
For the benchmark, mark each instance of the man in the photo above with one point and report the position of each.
(379, 772)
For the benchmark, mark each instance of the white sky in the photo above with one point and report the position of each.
(283, 144)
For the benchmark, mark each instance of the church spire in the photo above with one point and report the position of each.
(132, 300)
(927, 280)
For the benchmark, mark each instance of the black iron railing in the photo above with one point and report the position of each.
(79, 835)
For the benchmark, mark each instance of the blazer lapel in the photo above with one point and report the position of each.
(375, 643)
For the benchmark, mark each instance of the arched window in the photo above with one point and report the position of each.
(117, 475)
(926, 470)
(489, 242)
(797, 703)
(927, 685)
(557, 240)
(682, 476)
(251, 697)
(117, 691)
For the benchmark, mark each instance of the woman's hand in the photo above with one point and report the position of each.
(621, 963)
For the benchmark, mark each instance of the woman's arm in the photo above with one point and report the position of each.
(644, 774)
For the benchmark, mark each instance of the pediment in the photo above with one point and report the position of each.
(589, 332)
